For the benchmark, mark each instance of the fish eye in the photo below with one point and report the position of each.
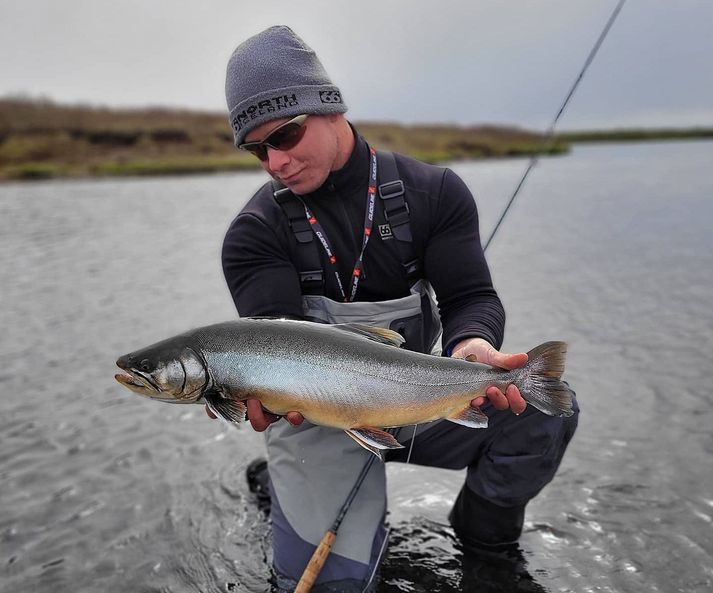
(145, 365)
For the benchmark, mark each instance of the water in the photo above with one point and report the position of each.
(610, 248)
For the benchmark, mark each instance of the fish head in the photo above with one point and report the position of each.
(168, 372)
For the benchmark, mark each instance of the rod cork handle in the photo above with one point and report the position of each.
(315, 564)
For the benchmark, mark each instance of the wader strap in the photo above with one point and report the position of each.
(397, 214)
(308, 261)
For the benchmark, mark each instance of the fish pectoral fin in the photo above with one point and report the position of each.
(230, 410)
(471, 358)
(374, 437)
(376, 334)
(470, 417)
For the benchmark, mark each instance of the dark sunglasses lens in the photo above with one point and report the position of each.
(283, 138)
(259, 150)
(286, 137)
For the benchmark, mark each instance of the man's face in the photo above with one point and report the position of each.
(305, 166)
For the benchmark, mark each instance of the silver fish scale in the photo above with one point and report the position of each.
(321, 363)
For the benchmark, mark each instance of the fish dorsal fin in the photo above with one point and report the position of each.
(377, 334)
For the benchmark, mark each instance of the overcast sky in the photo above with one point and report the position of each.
(465, 61)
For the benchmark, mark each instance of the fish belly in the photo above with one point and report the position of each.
(345, 393)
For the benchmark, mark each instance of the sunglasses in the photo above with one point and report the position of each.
(283, 137)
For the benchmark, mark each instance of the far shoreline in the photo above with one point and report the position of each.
(44, 140)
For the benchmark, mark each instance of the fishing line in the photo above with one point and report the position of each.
(410, 449)
(551, 130)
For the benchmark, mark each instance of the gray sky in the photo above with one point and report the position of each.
(465, 61)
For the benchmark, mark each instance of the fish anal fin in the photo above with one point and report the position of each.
(471, 417)
(376, 334)
(378, 452)
(374, 439)
(230, 410)
(377, 437)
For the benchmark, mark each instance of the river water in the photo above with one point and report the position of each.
(609, 248)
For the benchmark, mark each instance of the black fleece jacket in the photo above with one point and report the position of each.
(261, 268)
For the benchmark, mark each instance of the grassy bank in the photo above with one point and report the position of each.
(40, 139)
(637, 135)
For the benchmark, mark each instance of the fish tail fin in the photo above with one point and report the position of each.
(539, 380)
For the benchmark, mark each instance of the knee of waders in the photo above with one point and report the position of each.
(481, 524)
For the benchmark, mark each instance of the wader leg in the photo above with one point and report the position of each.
(291, 554)
(508, 464)
(312, 470)
(479, 523)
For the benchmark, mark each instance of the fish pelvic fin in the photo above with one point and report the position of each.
(539, 380)
(471, 417)
(376, 334)
(374, 440)
(231, 410)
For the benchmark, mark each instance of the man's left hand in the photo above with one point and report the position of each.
(488, 354)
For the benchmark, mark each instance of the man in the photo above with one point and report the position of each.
(347, 233)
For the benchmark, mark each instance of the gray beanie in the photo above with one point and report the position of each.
(273, 75)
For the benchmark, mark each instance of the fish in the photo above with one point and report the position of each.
(348, 376)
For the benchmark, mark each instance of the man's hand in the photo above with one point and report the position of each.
(487, 354)
(260, 418)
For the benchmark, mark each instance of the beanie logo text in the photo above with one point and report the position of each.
(330, 96)
(271, 105)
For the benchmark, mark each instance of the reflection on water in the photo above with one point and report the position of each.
(609, 248)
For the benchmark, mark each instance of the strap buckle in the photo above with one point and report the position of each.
(391, 189)
(397, 212)
(397, 216)
(302, 229)
(311, 280)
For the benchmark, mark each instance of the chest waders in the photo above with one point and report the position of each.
(313, 468)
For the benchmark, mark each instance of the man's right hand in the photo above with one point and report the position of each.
(260, 418)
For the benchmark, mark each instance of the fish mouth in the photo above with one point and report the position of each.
(137, 382)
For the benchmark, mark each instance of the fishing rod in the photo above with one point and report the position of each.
(534, 159)
(320, 555)
(314, 566)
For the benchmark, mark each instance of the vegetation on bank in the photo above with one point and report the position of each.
(40, 139)
(636, 135)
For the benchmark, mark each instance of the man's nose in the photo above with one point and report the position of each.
(277, 159)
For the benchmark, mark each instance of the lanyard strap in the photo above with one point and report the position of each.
(368, 225)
